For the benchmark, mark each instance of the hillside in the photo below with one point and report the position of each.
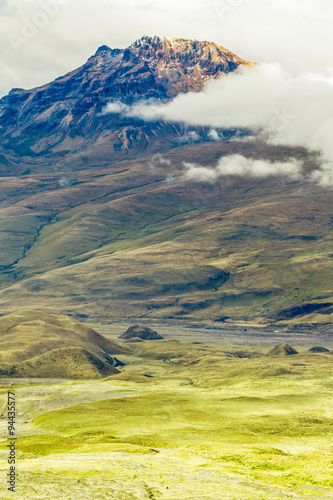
(124, 242)
(94, 223)
(34, 344)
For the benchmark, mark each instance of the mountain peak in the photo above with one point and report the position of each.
(70, 109)
(183, 65)
(102, 48)
(176, 45)
(146, 41)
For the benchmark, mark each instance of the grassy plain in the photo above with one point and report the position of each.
(190, 421)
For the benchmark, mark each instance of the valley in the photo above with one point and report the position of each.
(165, 317)
(184, 418)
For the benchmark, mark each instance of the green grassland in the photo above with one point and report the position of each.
(134, 239)
(183, 421)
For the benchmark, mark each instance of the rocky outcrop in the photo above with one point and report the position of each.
(318, 349)
(181, 65)
(141, 332)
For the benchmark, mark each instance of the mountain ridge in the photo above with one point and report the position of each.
(66, 114)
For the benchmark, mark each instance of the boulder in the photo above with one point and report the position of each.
(141, 332)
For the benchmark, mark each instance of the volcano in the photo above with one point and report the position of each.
(67, 115)
(98, 219)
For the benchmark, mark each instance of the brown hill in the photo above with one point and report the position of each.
(282, 350)
(141, 332)
(182, 65)
(36, 344)
(318, 349)
(68, 362)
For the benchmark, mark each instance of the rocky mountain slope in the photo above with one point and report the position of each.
(67, 114)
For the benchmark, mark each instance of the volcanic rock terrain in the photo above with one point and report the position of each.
(67, 115)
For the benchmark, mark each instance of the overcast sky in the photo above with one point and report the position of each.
(43, 39)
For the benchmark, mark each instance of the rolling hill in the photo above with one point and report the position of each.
(34, 344)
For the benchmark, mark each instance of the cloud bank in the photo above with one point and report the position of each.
(6, 8)
(239, 165)
(286, 110)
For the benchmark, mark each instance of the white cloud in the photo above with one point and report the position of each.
(213, 135)
(293, 111)
(193, 136)
(324, 176)
(6, 8)
(158, 161)
(241, 166)
(115, 107)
